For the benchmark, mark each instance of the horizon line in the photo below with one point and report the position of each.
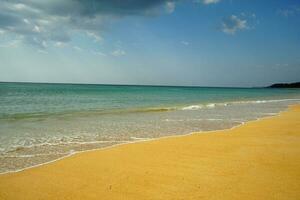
(143, 85)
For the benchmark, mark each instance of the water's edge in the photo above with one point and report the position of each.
(149, 139)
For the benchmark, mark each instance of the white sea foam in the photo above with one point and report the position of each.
(15, 148)
(174, 120)
(197, 119)
(211, 105)
(139, 138)
(202, 119)
(192, 107)
(214, 119)
(201, 106)
(214, 105)
(35, 155)
(264, 101)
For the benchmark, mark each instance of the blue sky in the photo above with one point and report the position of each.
(204, 42)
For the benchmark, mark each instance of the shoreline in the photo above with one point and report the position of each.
(256, 160)
(150, 139)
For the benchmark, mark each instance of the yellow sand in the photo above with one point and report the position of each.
(259, 160)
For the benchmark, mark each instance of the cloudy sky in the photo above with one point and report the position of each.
(161, 42)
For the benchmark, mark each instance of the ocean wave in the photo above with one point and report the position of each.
(210, 105)
(192, 107)
(22, 148)
(140, 138)
(94, 112)
(158, 109)
(214, 105)
(196, 119)
(37, 155)
(18, 151)
(201, 106)
(263, 101)
(174, 120)
(117, 111)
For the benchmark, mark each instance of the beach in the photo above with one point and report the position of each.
(149, 100)
(40, 123)
(257, 160)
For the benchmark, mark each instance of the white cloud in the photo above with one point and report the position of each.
(118, 53)
(77, 48)
(36, 29)
(282, 64)
(210, 1)
(286, 12)
(170, 7)
(11, 44)
(185, 43)
(291, 11)
(99, 53)
(26, 21)
(42, 51)
(19, 6)
(60, 44)
(95, 36)
(233, 24)
(44, 44)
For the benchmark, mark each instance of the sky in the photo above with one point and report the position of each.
(227, 43)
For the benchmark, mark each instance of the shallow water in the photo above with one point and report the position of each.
(43, 122)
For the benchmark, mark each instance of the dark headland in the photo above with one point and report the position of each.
(285, 85)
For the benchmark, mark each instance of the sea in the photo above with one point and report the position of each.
(43, 122)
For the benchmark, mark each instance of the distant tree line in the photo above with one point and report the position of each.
(285, 85)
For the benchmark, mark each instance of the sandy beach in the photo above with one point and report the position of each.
(258, 160)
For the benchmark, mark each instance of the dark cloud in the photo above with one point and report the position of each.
(7, 20)
(39, 22)
(118, 7)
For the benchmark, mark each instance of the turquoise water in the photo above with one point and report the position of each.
(43, 122)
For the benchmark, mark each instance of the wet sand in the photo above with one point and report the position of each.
(258, 160)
